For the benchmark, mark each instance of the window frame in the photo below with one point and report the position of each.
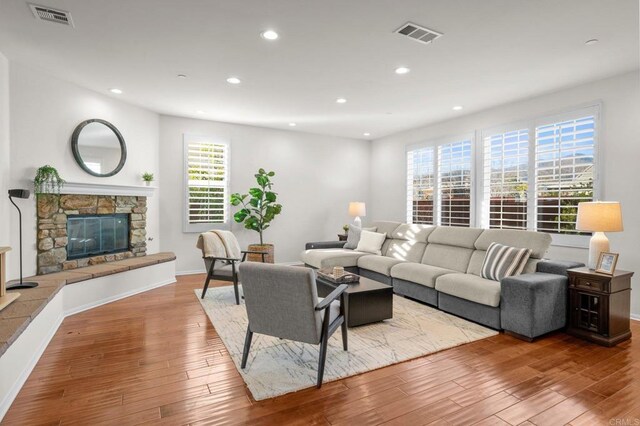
(484, 217)
(594, 109)
(435, 144)
(187, 227)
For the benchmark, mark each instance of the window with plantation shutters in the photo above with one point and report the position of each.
(420, 185)
(506, 179)
(207, 183)
(454, 183)
(564, 172)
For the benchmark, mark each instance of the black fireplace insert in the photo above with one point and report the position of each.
(92, 235)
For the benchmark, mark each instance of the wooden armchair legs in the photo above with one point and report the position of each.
(324, 343)
(247, 346)
(233, 278)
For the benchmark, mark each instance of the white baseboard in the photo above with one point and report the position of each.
(635, 317)
(101, 302)
(193, 272)
(16, 365)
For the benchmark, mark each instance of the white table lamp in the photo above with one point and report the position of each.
(357, 209)
(599, 217)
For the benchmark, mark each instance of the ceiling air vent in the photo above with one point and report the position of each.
(45, 13)
(418, 33)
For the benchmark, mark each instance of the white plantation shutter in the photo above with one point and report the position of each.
(420, 185)
(454, 183)
(207, 183)
(506, 170)
(564, 172)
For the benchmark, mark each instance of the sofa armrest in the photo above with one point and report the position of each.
(533, 304)
(324, 245)
(557, 267)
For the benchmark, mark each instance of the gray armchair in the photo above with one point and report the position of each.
(282, 301)
(224, 268)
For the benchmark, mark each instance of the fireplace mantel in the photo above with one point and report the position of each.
(84, 188)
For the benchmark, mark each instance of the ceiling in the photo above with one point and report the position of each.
(492, 52)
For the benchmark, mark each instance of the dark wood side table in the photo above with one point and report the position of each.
(342, 237)
(366, 301)
(599, 306)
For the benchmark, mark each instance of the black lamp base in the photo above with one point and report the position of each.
(14, 285)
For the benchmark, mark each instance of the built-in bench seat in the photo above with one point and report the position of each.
(15, 318)
(29, 323)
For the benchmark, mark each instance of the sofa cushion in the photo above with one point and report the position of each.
(470, 287)
(538, 242)
(448, 257)
(328, 258)
(385, 227)
(455, 236)
(411, 251)
(371, 242)
(409, 232)
(419, 273)
(379, 264)
(504, 261)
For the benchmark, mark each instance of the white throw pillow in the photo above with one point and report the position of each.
(371, 242)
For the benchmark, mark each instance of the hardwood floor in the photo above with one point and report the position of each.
(154, 358)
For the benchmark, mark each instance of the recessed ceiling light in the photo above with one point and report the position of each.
(199, 111)
(457, 107)
(182, 76)
(591, 42)
(292, 124)
(402, 70)
(233, 80)
(116, 91)
(341, 100)
(269, 35)
(366, 134)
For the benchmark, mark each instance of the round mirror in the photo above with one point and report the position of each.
(98, 147)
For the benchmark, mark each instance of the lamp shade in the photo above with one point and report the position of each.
(357, 208)
(599, 216)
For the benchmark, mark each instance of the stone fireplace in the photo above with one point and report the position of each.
(57, 214)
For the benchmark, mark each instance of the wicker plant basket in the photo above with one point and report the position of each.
(268, 248)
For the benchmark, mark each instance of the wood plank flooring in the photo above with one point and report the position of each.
(154, 358)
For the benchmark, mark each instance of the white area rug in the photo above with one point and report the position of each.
(276, 367)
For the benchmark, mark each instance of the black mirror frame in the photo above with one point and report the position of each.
(78, 157)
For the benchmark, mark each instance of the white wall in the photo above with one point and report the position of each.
(316, 177)
(618, 155)
(4, 151)
(44, 113)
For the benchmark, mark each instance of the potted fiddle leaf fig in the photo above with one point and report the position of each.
(48, 181)
(258, 209)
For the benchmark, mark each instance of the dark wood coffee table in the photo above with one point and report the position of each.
(366, 301)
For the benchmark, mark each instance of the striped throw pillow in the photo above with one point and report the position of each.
(504, 261)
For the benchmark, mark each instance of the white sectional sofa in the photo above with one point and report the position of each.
(441, 266)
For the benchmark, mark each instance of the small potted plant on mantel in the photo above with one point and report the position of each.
(259, 208)
(147, 178)
(48, 181)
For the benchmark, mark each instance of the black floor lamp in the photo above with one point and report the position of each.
(19, 193)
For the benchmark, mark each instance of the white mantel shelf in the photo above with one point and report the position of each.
(84, 188)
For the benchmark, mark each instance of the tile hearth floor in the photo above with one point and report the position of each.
(154, 358)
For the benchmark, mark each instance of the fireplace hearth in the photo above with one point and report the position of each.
(81, 230)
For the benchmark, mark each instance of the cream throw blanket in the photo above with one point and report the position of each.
(218, 243)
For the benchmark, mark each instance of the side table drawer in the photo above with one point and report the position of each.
(585, 283)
